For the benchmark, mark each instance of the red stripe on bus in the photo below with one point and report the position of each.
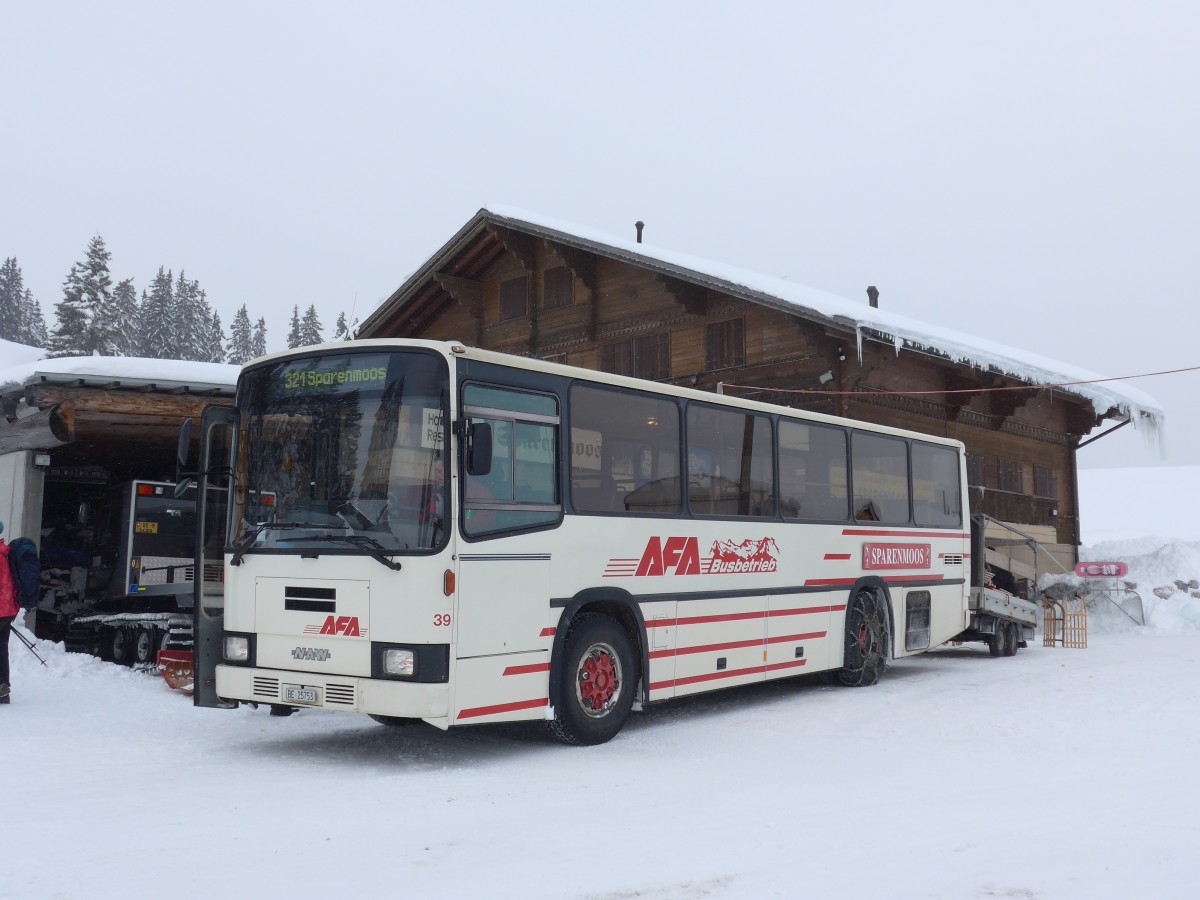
(548, 632)
(502, 708)
(733, 645)
(837, 555)
(733, 617)
(880, 532)
(827, 582)
(525, 670)
(735, 673)
(808, 609)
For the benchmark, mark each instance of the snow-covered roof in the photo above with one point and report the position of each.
(123, 371)
(903, 331)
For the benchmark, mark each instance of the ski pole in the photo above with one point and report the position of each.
(28, 643)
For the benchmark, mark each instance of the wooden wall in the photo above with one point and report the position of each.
(616, 301)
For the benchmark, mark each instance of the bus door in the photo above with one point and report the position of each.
(504, 575)
(208, 584)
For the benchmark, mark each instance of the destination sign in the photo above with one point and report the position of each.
(333, 375)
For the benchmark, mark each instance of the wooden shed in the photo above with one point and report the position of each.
(516, 282)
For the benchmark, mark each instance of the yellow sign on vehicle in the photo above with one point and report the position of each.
(145, 527)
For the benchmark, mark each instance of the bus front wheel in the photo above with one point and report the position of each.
(866, 650)
(597, 682)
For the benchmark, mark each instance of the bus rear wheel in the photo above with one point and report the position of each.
(866, 650)
(597, 682)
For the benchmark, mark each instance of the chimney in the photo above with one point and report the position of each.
(639, 225)
(873, 296)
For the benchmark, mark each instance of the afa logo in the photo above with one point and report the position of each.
(681, 556)
(675, 556)
(345, 626)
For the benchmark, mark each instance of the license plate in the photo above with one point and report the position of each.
(295, 693)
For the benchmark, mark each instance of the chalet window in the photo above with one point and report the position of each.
(725, 344)
(1010, 476)
(512, 298)
(644, 357)
(975, 470)
(558, 288)
(1045, 482)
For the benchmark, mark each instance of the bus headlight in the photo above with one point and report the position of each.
(399, 662)
(237, 649)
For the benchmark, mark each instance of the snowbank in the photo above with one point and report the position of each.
(18, 354)
(1149, 519)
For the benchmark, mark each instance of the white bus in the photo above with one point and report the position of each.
(421, 530)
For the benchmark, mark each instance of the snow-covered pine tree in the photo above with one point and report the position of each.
(259, 343)
(12, 290)
(216, 340)
(33, 323)
(70, 313)
(125, 311)
(310, 328)
(194, 320)
(85, 314)
(241, 342)
(293, 339)
(157, 319)
(342, 331)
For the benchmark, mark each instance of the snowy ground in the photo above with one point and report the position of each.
(1052, 774)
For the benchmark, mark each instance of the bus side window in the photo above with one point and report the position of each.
(812, 472)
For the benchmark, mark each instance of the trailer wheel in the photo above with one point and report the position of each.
(1012, 638)
(866, 643)
(120, 646)
(997, 642)
(598, 678)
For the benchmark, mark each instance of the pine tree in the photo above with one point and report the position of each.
(12, 291)
(241, 342)
(70, 334)
(216, 341)
(341, 331)
(33, 323)
(294, 339)
(194, 318)
(86, 320)
(259, 343)
(157, 319)
(125, 311)
(310, 328)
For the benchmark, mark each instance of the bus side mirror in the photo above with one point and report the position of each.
(184, 450)
(479, 449)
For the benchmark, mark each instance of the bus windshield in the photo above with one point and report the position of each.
(343, 452)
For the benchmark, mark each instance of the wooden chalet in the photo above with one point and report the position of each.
(514, 282)
(67, 423)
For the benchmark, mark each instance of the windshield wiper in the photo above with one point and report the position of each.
(255, 530)
(374, 549)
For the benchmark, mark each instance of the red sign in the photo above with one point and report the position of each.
(896, 556)
(1102, 570)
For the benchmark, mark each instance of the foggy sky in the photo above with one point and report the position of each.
(1020, 171)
